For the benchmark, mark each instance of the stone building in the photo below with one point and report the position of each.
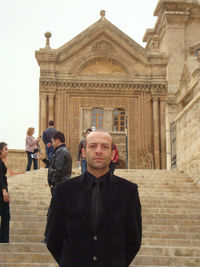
(103, 79)
(147, 98)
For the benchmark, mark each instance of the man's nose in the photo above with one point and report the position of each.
(98, 149)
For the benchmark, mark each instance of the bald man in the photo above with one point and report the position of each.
(95, 218)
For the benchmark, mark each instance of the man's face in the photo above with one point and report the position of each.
(54, 142)
(98, 150)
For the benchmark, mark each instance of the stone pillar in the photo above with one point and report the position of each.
(51, 107)
(156, 141)
(108, 119)
(162, 133)
(43, 112)
(43, 123)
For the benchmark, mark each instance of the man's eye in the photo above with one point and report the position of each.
(92, 146)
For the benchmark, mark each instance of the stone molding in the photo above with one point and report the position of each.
(153, 88)
(188, 107)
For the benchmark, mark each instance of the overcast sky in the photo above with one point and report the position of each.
(22, 27)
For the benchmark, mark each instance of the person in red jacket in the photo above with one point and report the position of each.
(115, 160)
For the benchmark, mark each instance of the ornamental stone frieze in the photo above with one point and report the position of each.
(154, 89)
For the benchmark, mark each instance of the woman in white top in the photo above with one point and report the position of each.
(31, 148)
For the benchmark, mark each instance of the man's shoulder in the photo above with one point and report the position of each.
(124, 182)
(62, 149)
(51, 130)
(69, 183)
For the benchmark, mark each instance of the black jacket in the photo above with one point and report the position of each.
(118, 236)
(3, 181)
(60, 166)
(3, 178)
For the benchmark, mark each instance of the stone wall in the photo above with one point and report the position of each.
(188, 139)
(17, 160)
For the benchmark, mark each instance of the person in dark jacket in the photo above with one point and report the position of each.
(60, 164)
(95, 219)
(46, 138)
(4, 196)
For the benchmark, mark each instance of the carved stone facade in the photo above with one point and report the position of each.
(105, 69)
(178, 32)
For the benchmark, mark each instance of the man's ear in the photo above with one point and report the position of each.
(83, 152)
(113, 154)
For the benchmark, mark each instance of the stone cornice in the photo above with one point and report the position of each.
(171, 12)
(175, 5)
(187, 108)
(155, 88)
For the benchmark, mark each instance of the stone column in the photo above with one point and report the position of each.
(43, 112)
(108, 119)
(162, 133)
(43, 123)
(156, 132)
(51, 107)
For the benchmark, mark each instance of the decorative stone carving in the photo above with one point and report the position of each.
(103, 48)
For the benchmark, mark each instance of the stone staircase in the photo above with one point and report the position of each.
(171, 220)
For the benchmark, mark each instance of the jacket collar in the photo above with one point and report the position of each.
(63, 145)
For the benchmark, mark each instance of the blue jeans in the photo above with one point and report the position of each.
(49, 152)
(5, 221)
(83, 166)
(30, 159)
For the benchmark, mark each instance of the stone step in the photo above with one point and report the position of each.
(171, 242)
(171, 235)
(20, 234)
(170, 208)
(146, 260)
(28, 257)
(28, 265)
(26, 238)
(36, 212)
(170, 257)
(29, 218)
(26, 231)
(145, 211)
(169, 222)
(145, 250)
(28, 225)
(148, 223)
(23, 247)
(171, 228)
(14, 207)
(166, 216)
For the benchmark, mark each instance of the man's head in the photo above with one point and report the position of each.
(98, 152)
(3, 150)
(58, 139)
(89, 130)
(51, 123)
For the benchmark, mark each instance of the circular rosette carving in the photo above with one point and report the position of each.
(104, 47)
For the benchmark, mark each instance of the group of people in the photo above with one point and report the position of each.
(33, 147)
(93, 219)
